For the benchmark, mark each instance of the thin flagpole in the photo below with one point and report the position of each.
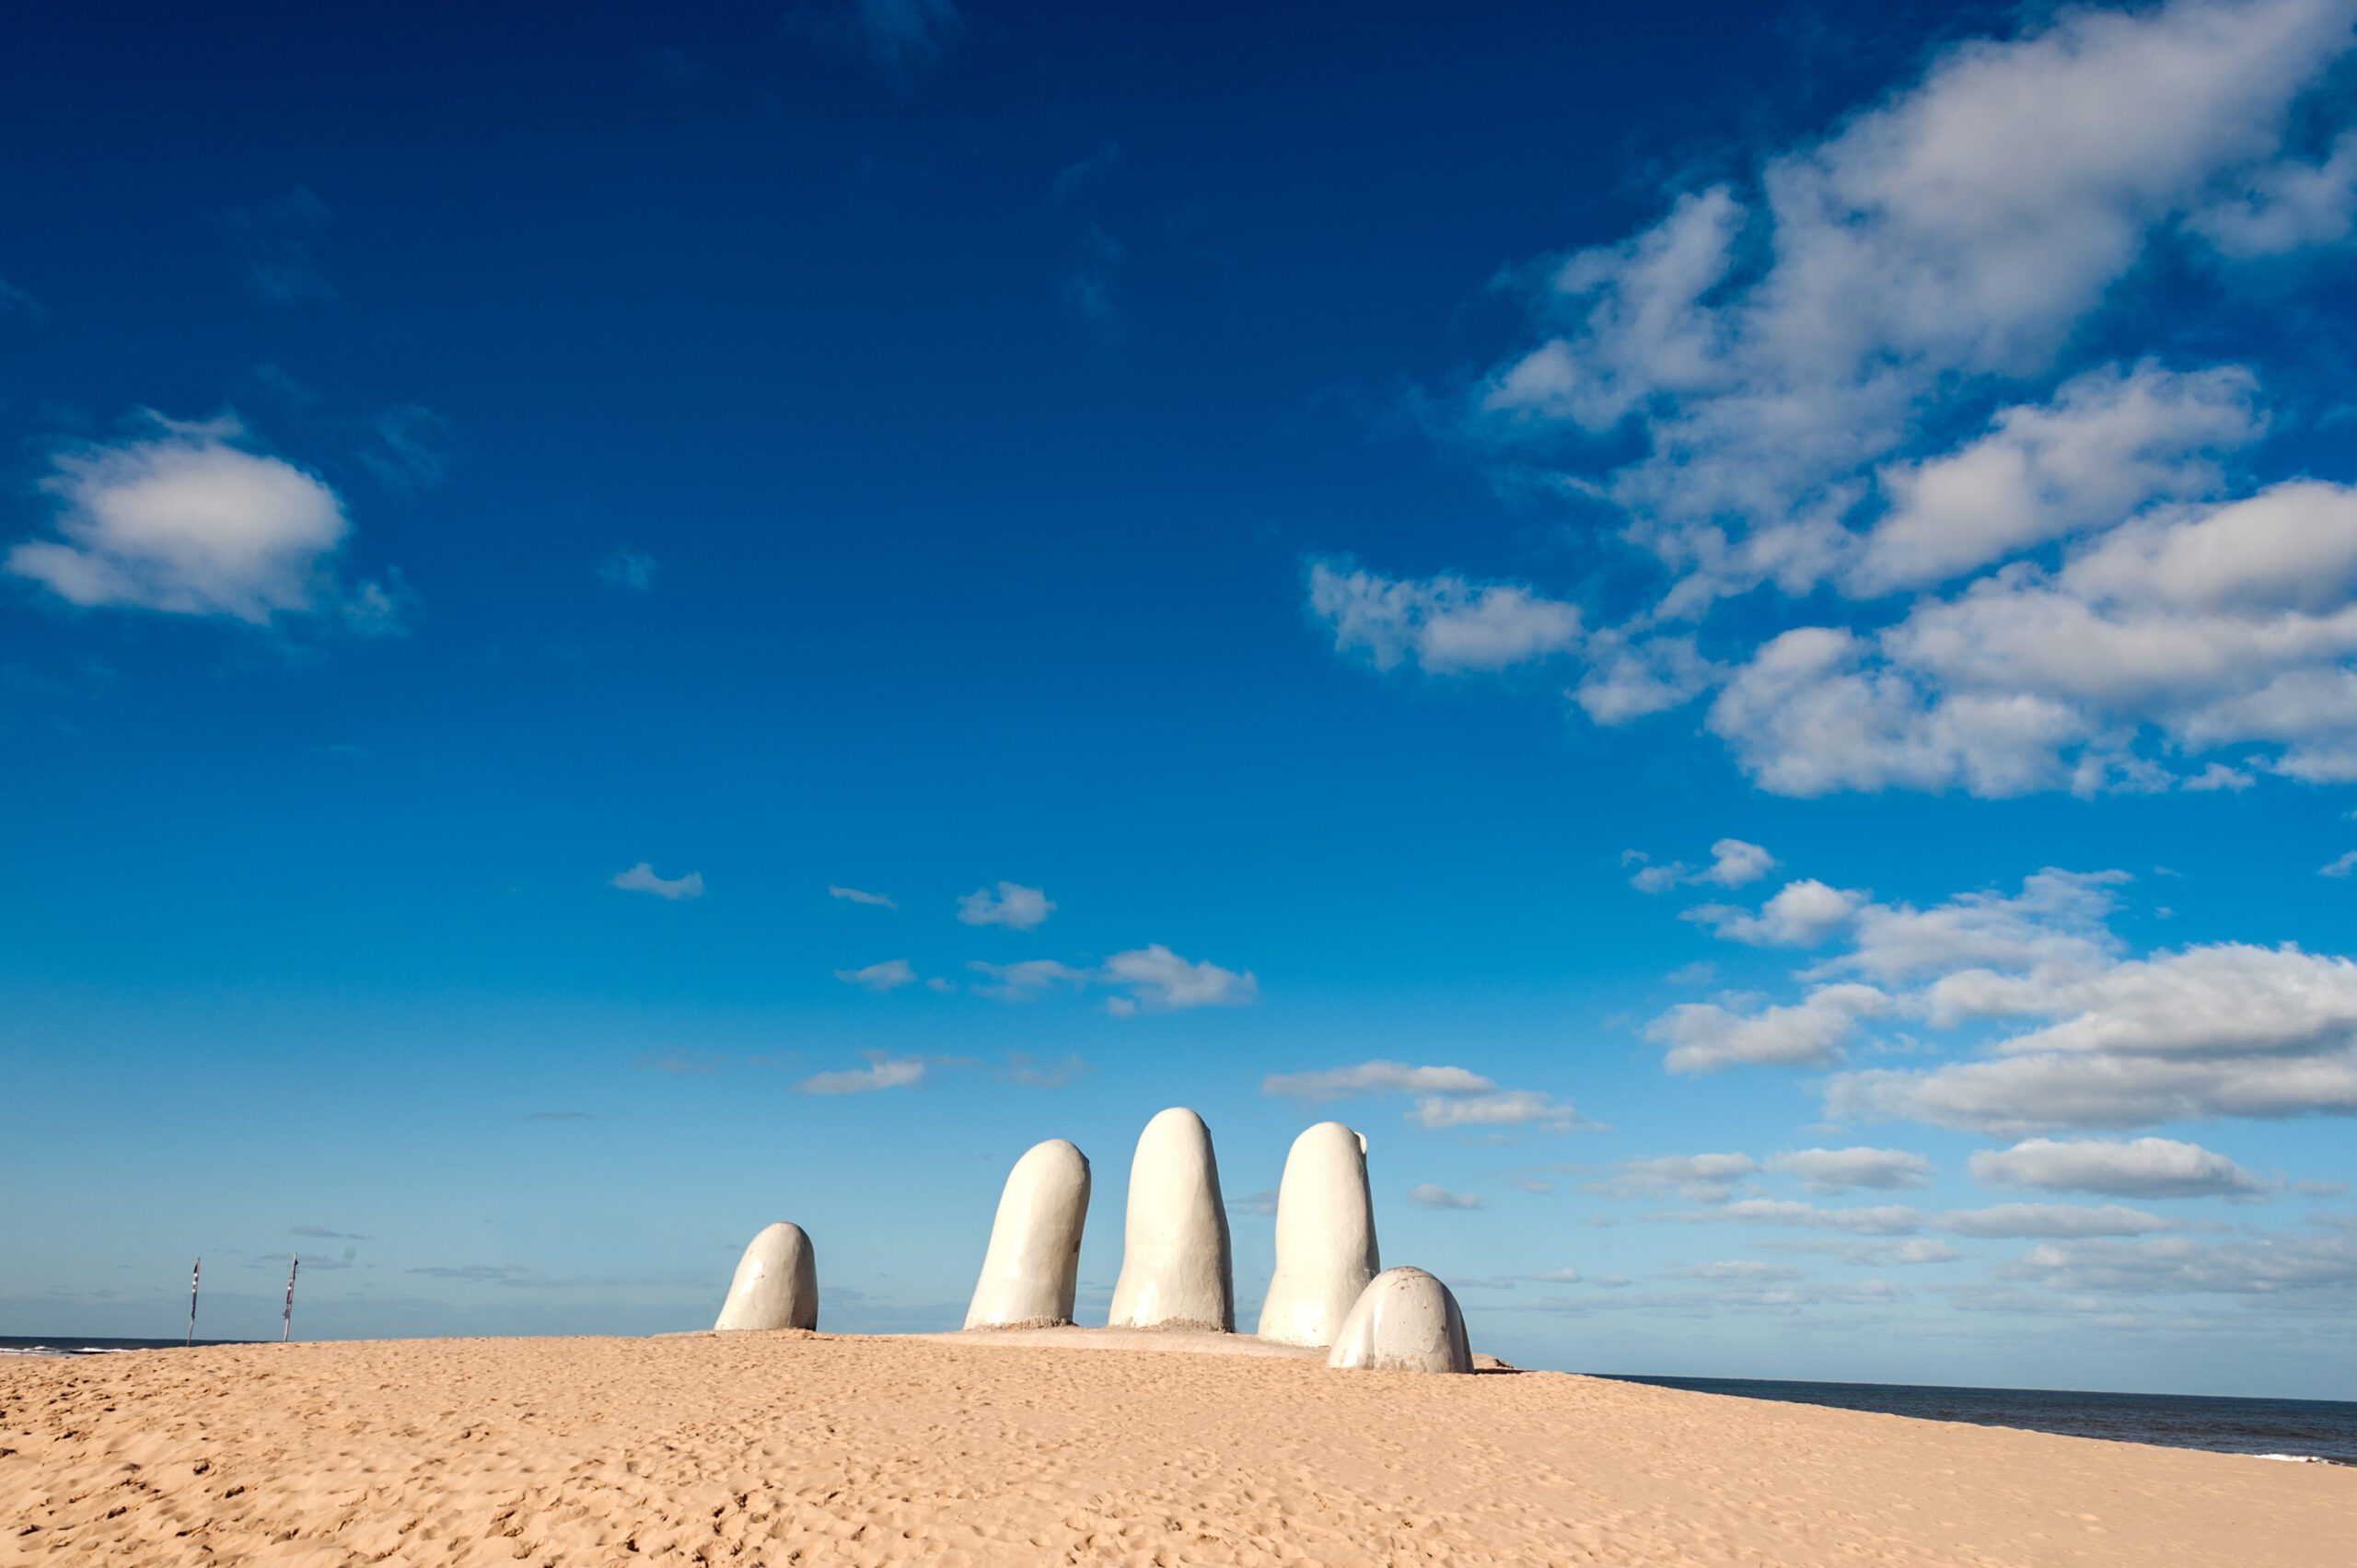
(287, 1326)
(192, 1275)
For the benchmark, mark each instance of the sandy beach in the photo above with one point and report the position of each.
(810, 1448)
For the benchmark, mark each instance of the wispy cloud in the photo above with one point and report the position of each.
(1022, 982)
(1843, 1170)
(889, 975)
(641, 879)
(2018, 1220)
(1883, 375)
(14, 301)
(1444, 1096)
(278, 249)
(882, 1072)
(1160, 980)
(902, 38)
(1081, 172)
(1431, 1195)
(1700, 1179)
(1087, 288)
(1011, 904)
(1029, 1073)
(855, 895)
(632, 570)
(682, 1063)
(1734, 863)
(413, 447)
(1444, 626)
(1371, 1078)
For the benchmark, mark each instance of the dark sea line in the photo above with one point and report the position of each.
(92, 1344)
(2315, 1430)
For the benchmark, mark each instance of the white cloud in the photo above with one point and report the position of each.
(641, 879)
(1802, 914)
(1733, 864)
(2085, 1036)
(2340, 865)
(1700, 1179)
(1161, 981)
(1705, 1037)
(1959, 229)
(1012, 905)
(2014, 1220)
(2219, 1030)
(1628, 677)
(1889, 1219)
(1022, 982)
(186, 520)
(1445, 625)
(1022, 1069)
(857, 896)
(1812, 714)
(1446, 1096)
(1855, 371)
(1744, 1269)
(1507, 1108)
(2222, 625)
(2288, 206)
(2139, 1168)
(889, 975)
(1839, 1170)
(2273, 1265)
(2054, 925)
(2216, 776)
(1375, 1078)
(1431, 1196)
(882, 1072)
(2111, 442)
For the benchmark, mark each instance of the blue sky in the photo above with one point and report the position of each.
(1732, 631)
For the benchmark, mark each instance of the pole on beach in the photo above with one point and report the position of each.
(192, 1275)
(286, 1324)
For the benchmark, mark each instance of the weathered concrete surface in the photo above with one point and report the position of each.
(776, 1284)
(1326, 1247)
(1404, 1321)
(1175, 1266)
(1032, 1270)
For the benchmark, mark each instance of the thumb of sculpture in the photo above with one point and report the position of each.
(1032, 1270)
(1404, 1321)
(777, 1286)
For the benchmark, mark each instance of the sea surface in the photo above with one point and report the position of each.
(66, 1344)
(2321, 1431)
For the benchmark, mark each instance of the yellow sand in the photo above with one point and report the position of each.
(776, 1448)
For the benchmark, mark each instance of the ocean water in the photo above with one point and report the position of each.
(69, 1344)
(2322, 1430)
